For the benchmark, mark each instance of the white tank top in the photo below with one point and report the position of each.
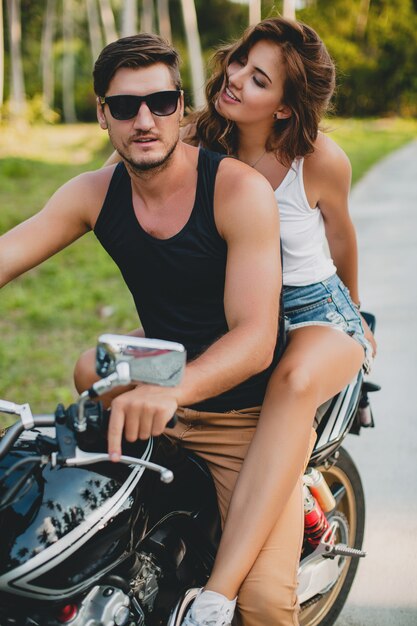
(304, 246)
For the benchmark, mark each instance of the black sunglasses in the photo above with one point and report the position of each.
(126, 107)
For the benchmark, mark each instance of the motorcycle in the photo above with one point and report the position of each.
(87, 542)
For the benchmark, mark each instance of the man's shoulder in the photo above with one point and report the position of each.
(93, 185)
(237, 178)
(243, 198)
(84, 195)
(95, 178)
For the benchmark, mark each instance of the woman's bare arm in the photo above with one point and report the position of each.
(332, 172)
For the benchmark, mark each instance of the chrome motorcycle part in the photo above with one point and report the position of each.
(12, 434)
(103, 605)
(89, 458)
(149, 360)
(345, 484)
(341, 549)
(121, 376)
(319, 489)
(145, 584)
(318, 574)
(23, 410)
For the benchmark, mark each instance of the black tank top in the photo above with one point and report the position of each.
(178, 283)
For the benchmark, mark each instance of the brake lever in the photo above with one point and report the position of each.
(81, 458)
(23, 410)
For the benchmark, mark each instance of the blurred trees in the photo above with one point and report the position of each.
(17, 97)
(68, 62)
(49, 65)
(194, 51)
(374, 45)
(47, 56)
(107, 18)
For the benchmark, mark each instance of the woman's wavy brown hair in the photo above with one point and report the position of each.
(308, 87)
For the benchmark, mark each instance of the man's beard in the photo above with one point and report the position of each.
(149, 166)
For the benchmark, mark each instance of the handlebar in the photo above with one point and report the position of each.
(13, 433)
(83, 424)
(66, 451)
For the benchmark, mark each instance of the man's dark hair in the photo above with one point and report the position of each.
(137, 51)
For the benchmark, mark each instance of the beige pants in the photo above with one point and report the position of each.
(268, 595)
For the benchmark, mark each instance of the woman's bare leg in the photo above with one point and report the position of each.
(318, 362)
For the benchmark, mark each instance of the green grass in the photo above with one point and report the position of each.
(369, 140)
(54, 312)
(57, 310)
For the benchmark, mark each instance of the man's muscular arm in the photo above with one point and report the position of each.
(247, 218)
(66, 217)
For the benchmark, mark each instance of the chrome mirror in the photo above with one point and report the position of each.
(149, 360)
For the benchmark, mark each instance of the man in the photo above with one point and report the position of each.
(196, 237)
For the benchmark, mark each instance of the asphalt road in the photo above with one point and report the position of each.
(384, 209)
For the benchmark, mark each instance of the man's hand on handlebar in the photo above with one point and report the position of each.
(139, 414)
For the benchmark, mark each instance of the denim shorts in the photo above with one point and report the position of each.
(327, 303)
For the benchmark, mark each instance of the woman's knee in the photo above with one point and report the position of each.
(84, 371)
(296, 378)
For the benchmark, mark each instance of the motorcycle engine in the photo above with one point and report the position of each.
(145, 584)
(108, 603)
(105, 604)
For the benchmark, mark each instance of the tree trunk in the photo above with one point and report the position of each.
(289, 9)
(164, 20)
(147, 17)
(17, 91)
(68, 64)
(254, 12)
(94, 29)
(194, 51)
(1, 58)
(47, 61)
(107, 18)
(362, 20)
(129, 18)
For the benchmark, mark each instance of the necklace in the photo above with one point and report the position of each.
(258, 159)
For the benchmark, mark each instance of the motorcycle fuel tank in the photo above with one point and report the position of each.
(66, 526)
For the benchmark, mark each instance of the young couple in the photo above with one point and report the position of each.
(196, 237)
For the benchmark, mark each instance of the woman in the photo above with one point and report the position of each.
(266, 97)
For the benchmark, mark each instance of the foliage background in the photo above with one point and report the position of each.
(372, 41)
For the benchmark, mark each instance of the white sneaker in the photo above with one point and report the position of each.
(210, 609)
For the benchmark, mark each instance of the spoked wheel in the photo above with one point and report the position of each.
(345, 483)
